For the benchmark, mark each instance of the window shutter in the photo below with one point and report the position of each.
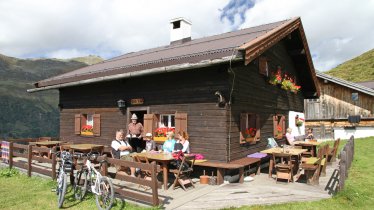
(243, 125)
(180, 122)
(279, 120)
(263, 66)
(258, 133)
(77, 127)
(96, 125)
(149, 123)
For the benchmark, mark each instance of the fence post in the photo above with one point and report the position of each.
(343, 169)
(54, 162)
(29, 160)
(154, 186)
(10, 154)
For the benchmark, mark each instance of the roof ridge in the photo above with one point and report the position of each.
(195, 41)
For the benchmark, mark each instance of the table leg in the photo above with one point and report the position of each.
(220, 173)
(271, 163)
(165, 171)
(258, 168)
(241, 175)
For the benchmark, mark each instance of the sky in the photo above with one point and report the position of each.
(336, 30)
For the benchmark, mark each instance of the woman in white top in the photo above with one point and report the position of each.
(183, 139)
(290, 138)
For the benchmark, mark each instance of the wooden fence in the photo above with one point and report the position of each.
(346, 158)
(25, 150)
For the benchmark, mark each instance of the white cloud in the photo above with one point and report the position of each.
(106, 28)
(336, 30)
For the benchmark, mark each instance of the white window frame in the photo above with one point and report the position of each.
(170, 117)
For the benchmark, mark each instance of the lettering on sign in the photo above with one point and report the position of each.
(137, 101)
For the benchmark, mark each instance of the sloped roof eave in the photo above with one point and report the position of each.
(257, 46)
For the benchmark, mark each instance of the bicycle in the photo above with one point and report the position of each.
(65, 166)
(89, 179)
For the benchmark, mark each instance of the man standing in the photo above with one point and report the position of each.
(135, 130)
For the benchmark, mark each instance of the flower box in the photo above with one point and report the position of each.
(251, 140)
(160, 138)
(86, 133)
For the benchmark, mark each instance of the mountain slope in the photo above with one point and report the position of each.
(25, 114)
(358, 69)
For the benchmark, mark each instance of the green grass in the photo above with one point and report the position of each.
(17, 191)
(358, 69)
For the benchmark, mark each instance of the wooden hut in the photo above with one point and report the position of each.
(216, 88)
(340, 101)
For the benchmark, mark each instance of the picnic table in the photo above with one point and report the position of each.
(48, 144)
(163, 158)
(85, 148)
(278, 150)
(309, 144)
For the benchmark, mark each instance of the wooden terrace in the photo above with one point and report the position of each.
(262, 190)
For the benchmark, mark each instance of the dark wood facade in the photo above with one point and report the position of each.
(214, 130)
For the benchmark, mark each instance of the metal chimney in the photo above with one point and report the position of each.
(180, 31)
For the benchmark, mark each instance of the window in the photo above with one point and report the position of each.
(153, 123)
(249, 128)
(87, 124)
(279, 126)
(167, 120)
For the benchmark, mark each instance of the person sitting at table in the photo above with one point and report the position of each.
(168, 145)
(150, 145)
(121, 149)
(182, 137)
(290, 138)
(309, 134)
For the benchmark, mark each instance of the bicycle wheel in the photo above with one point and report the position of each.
(105, 196)
(61, 188)
(80, 184)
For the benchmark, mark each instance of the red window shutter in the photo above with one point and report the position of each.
(180, 122)
(149, 123)
(77, 127)
(243, 125)
(96, 125)
(279, 120)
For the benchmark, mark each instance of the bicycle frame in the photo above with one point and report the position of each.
(91, 169)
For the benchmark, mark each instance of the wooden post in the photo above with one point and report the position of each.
(10, 154)
(29, 160)
(154, 186)
(54, 163)
(343, 169)
(104, 166)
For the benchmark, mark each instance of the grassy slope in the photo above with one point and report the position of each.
(358, 69)
(29, 115)
(18, 191)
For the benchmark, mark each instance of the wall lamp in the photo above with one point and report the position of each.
(221, 99)
(121, 105)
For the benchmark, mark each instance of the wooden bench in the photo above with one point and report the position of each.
(236, 164)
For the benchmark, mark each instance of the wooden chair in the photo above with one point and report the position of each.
(284, 169)
(324, 156)
(312, 171)
(182, 174)
(332, 152)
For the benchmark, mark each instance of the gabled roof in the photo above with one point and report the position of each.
(193, 54)
(345, 83)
